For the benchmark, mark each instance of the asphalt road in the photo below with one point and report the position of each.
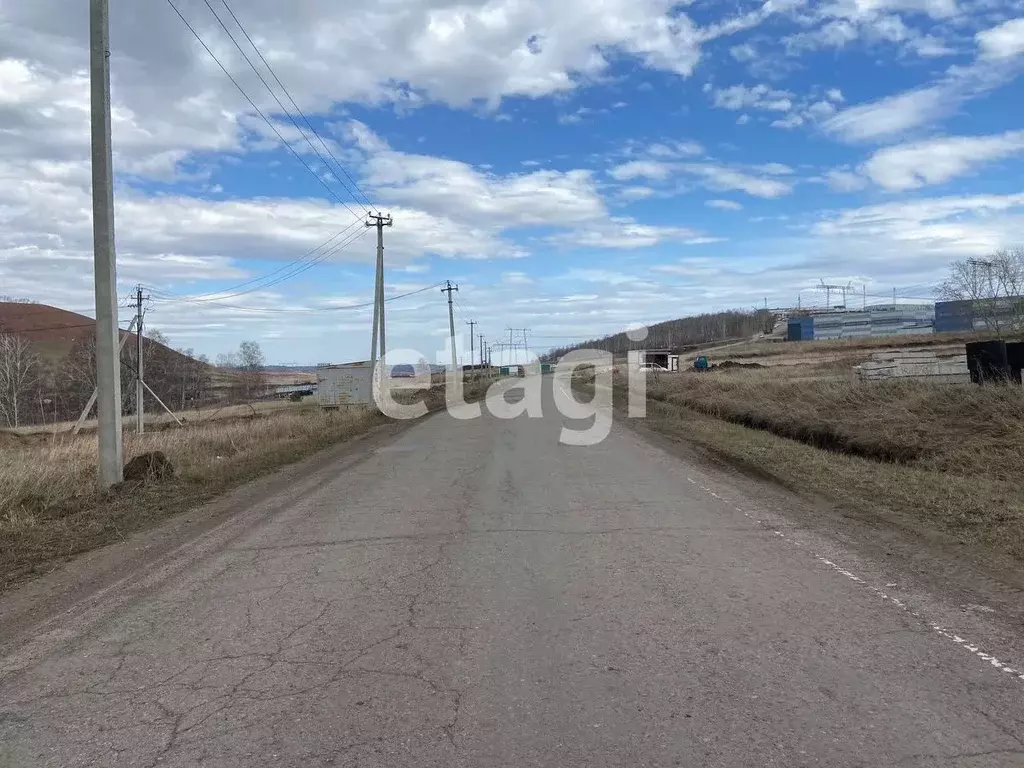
(476, 594)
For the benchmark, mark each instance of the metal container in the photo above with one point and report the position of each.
(348, 384)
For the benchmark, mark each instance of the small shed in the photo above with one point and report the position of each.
(348, 384)
(800, 329)
(655, 358)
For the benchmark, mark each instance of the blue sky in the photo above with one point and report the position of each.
(575, 169)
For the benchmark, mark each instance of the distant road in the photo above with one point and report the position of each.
(475, 594)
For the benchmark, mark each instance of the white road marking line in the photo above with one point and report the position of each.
(948, 634)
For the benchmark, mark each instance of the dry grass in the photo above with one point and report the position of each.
(756, 349)
(976, 511)
(193, 415)
(967, 430)
(51, 507)
(925, 456)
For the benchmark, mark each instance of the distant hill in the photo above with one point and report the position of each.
(682, 334)
(41, 322)
(61, 373)
(53, 331)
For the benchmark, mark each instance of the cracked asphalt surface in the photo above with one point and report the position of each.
(476, 594)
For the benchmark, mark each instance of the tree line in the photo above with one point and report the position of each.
(681, 333)
(36, 388)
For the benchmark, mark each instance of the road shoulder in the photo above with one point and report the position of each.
(83, 577)
(981, 589)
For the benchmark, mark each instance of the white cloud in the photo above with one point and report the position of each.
(723, 205)
(661, 150)
(755, 180)
(909, 166)
(820, 110)
(641, 169)
(929, 46)
(173, 110)
(675, 149)
(516, 278)
(606, 276)
(921, 230)
(759, 96)
(838, 24)
(844, 181)
(704, 240)
(631, 194)
(793, 120)
(744, 52)
(455, 190)
(891, 116)
(171, 100)
(775, 169)
(799, 110)
(749, 19)
(720, 177)
(897, 115)
(1002, 42)
(624, 233)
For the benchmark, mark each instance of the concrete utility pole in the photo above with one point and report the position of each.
(378, 221)
(472, 352)
(451, 321)
(108, 363)
(140, 411)
(481, 350)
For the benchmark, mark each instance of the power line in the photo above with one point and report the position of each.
(459, 309)
(226, 292)
(90, 324)
(320, 310)
(215, 301)
(297, 109)
(270, 90)
(253, 103)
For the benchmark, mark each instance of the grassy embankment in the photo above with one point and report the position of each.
(923, 456)
(51, 507)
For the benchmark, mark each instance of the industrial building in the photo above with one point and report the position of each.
(958, 316)
(877, 321)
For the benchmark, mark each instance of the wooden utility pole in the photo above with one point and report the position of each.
(108, 363)
(451, 321)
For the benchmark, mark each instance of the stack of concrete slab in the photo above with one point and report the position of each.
(919, 365)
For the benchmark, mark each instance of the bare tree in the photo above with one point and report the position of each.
(19, 368)
(993, 286)
(227, 360)
(251, 363)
